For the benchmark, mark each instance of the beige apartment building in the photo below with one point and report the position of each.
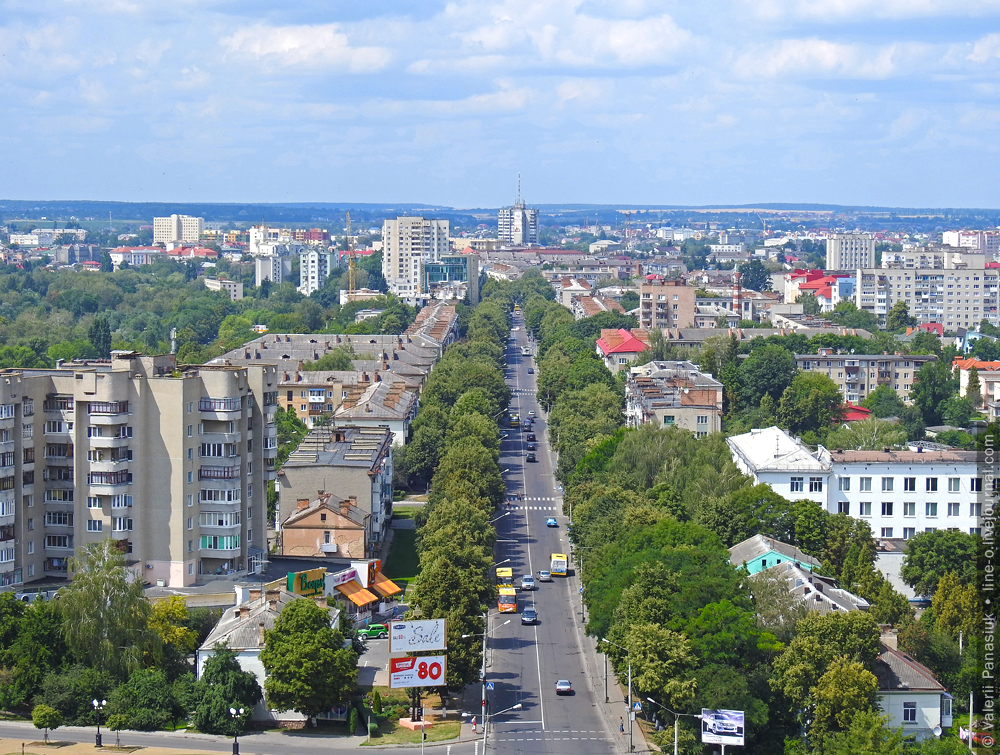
(673, 394)
(406, 242)
(849, 251)
(177, 229)
(171, 461)
(857, 375)
(666, 304)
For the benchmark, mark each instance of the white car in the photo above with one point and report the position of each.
(527, 582)
(544, 576)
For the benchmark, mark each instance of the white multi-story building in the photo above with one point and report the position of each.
(517, 225)
(315, 266)
(898, 493)
(408, 241)
(177, 229)
(986, 242)
(271, 267)
(849, 251)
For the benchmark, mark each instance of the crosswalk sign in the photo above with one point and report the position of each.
(637, 706)
(489, 686)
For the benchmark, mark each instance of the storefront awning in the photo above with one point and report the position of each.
(358, 595)
(385, 586)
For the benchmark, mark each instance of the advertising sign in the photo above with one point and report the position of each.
(411, 636)
(722, 727)
(307, 583)
(423, 671)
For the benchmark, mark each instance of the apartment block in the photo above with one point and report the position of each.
(454, 276)
(673, 394)
(170, 461)
(272, 267)
(177, 229)
(849, 251)
(666, 304)
(408, 241)
(315, 266)
(857, 375)
(234, 289)
(517, 225)
(986, 242)
(954, 288)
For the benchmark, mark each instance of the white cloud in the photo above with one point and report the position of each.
(322, 46)
(819, 57)
(841, 10)
(985, 48)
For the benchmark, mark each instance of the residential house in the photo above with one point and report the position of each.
(620, 347)
(909, 694)
(761, 552)
(588, 306)
(569, 288)
(673, 394)
(327, 526)
(817, 593)
(382, 404)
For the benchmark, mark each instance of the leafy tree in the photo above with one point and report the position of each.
(931, 555)
(335, 359)
(933, 384)
(884, 402)
(810, 304)
(106, 613)
(70, 691)
(776, 609)
(37, 648)
(44, 717)
(846, 689)
(470, 470)
(308, 668)
(956, 607)
(224, 685)
(846, 313)
(870, 434)
(100, 336)
(811, 403)
(768, 370)
(146, 700)
(925, 343)
(958, 411)
(175, 640)
(106, 264)
(867, 734)
(748, 512)
(898, 317)
(662, 664)
(755, 276)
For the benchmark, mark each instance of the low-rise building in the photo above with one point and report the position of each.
(673, 394)
(568, 289)
(857, 375)
(618, 348)
(327, 526)
(761, 552)
(233, 288)
(383, 405)
(772, 457)
(588, 306)
(909, 694)
(816, 592)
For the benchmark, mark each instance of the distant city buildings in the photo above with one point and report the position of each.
(271, 267)
(517, 225)
(408, 242)
(315, 266)
(850, 251)
(233, 288)
(666, 304)
(177, 229)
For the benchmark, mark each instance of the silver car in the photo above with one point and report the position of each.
(527, 582)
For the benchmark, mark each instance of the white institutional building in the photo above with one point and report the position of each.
(849, 251)
(517, 225)
(406, 242)
(177, 229)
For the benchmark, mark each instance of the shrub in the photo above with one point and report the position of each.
(377, 703)
(352, 721)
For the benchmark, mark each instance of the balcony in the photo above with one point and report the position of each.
(108, 441)
(220, 408)
(219, 473)
(109, 479)
(58, 404)
(6, 531)
(56, 566)
(109, 408)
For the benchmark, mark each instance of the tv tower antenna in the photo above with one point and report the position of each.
(519, 201)
(352, 262)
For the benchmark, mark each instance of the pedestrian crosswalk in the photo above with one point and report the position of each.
(536, 508)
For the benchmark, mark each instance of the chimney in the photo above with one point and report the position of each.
(260, 634)
(254, 594)
(272, 598)
(302, 503)
(344, 507)
(889, 638)
(244, 611)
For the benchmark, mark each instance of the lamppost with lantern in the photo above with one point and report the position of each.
(98, 707)
(236, 734)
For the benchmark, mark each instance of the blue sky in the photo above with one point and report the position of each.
(885, 102)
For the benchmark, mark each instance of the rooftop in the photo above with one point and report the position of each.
(772, 449)
(342, 446)
(760, 545)
(903, 457)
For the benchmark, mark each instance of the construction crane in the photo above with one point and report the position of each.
(352, 261)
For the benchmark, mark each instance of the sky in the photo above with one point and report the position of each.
(863, 102)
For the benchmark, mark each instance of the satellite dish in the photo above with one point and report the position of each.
(937, 731)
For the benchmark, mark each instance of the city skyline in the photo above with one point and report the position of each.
(857, 102)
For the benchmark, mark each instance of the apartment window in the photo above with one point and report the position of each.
(190, 431)
(190, 500)
(702, 419)
(975, 509)
(122, 524)
(27, 431)
(815, 484)
(909, 484)
(909, 713)
(250, 513)
(668, 419)
(190, 523)
(953, 508)
(31, 567)
(909, 508)
(930, 508)
(844, 484)
(909, 532)
(866, 485)
(190, 477)
(954, 485)
(95, 525)
(844, 507)
(31, 547)
(93, 502)
(57, 541)
(887, 484)
(31, 524)
(886, 508)
(865, 508)
(887, 532)
(797, 484)
(190, 454)
(976, 484)
(190, 546)
(249, 536)
(931, 484)
(190, 407)
(249, 490)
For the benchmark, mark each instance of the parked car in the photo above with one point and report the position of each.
(529, 616)
(530, 457)
(544, 576)
(378, 631)
(527, 582)
(563, 687)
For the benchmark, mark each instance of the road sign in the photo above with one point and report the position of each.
(422, 671)
(637, 706)
(489, 686)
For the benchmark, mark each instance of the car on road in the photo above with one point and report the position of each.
(527, 582)
(530, 457)
(529, 616)
(551, 522)
(544, 576)
(531, 414)
(531, 438)
(532, 446)
(531, 370)
(563, 687)
(376, 631)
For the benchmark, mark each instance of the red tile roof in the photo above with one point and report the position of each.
(621, 341)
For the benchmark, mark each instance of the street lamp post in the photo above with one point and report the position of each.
(628, 657)
(236, 735)
(98, 707)
(676, 719)
(491, 715)
(482, 672)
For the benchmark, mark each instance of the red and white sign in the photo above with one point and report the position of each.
(423, 671)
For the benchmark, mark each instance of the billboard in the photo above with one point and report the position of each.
(722, 727)
(307, 583)
(411, 636)
(422, 671)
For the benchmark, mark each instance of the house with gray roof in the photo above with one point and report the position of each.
(909, 693)
(762, 552)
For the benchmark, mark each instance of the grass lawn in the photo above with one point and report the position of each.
(402, 565)
(403, 513)
(393, 733)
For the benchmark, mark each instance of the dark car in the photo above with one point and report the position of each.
(531, 437)
(531, 370)
(532, 446)
(528, 616)
(530, 457)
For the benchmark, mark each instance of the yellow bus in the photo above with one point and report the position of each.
(505, 577)
(515, 419)
(557, 565)
(507, 601)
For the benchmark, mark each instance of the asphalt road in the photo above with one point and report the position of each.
(526, 661)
